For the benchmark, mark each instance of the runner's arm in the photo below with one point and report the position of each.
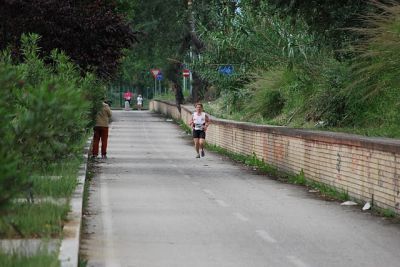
(191, 122)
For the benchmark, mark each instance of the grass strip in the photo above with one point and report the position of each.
(40, 259)
(62, 187)
(184, 126)
(42, 220)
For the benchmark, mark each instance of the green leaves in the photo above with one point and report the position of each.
(91, 33)
(45, 111)
(253, 41)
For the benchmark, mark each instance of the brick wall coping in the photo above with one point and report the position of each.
(376, 143)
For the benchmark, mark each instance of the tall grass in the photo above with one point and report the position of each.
(376, 66)
(41, 259)
(58, 180)
(375, 98)
(25, 220)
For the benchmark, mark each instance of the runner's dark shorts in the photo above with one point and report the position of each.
(199, 134)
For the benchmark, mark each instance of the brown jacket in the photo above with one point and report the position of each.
(104, 116)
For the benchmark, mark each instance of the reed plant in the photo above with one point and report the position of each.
(374, 90)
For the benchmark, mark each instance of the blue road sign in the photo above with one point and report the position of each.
(159, 76)
(225, 69)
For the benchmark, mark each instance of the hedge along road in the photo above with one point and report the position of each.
(152, 203)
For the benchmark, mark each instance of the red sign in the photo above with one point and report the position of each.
(186, 73)
(155, 72)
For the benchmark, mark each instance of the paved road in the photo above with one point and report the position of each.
(152, 203)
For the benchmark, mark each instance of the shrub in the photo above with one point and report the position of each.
(45, 113)
(270, 92)
(51, 111)
(329, 102)
(13, 177)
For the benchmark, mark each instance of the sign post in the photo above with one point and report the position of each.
(159, 78)
(155, 73)
(185, 74)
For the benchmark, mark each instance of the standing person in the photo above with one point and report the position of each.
(139, 102)
(127, 97)
(101, 131)
(199, 123)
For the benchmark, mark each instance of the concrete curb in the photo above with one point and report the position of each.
(69, 249)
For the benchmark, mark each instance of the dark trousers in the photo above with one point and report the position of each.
(100, 133)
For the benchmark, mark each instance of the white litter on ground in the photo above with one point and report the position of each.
(367, 206)
(349, 203)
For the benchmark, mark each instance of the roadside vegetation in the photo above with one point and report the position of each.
(320, 64)
(41, 259)
(55, 64)
(47, 111)
(299, 80)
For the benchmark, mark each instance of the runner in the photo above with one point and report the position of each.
(199, 123)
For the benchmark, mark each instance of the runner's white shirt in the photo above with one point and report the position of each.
(199, 120)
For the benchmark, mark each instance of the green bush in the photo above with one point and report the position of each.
(270, 93)
(329, 102)
(13, 176)
(46, 110)
(52, 112)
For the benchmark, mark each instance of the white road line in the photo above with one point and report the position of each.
(265, 236)
(221, 203)
(296, 261)
(241, 217)
(110, 258)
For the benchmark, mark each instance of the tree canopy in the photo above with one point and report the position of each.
(92, 33)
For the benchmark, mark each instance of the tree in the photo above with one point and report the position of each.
(91, 33)
(164, 27)
(325, 17)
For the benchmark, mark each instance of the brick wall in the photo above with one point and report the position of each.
(367, 168)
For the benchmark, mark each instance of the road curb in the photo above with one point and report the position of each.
(69, 249)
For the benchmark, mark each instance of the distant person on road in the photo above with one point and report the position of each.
(139, 102)
(199, 123)
(101, 131)
(127, 97)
